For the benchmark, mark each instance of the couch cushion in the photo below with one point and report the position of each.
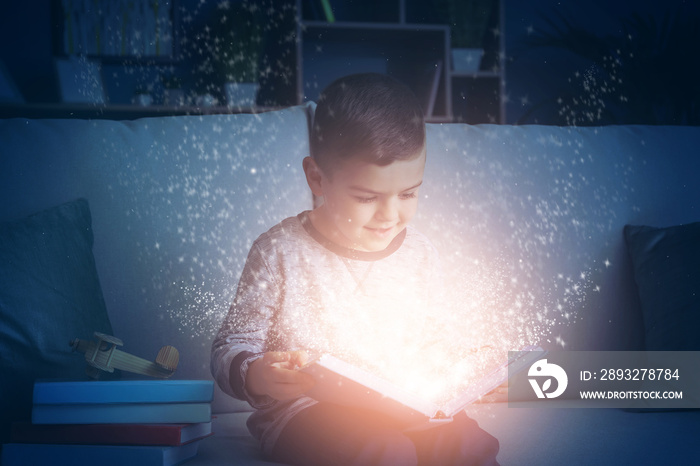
(176, 203)
(666, 271)
(49, 294)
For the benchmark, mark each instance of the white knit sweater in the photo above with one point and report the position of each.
(300, 291)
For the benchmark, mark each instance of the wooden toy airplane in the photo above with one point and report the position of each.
(103, 355)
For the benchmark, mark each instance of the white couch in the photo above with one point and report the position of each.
(536, 211)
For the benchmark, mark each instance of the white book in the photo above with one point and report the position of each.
(342, 383)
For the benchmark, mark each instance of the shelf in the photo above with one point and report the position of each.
(303, 54)
(409, 51)
(115, 112)
(476, 74)
(415, 54)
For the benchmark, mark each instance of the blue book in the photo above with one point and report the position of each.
(123, 391)
(110, 434)
(121, 413)
(20, 454)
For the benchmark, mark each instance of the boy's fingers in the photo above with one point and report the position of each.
(286, 359)
(282, 375)
(272, 357)
(299, 357)
(281, 379)
(293, 387)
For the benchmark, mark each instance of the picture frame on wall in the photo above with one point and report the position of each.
(118, 30)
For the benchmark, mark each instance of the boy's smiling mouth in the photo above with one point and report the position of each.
(381, 232)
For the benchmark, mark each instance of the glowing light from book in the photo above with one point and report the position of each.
(421, 345)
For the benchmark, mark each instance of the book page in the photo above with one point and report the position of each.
(342, 383)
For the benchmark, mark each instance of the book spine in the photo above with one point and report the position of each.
(122, 413)
(136, 391)
(110, 434)
(21, 454)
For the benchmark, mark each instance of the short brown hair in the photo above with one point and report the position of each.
(369, 115)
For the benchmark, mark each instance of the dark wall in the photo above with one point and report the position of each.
(25, 47)
(27, 31)
(536, 77)
(555, 85)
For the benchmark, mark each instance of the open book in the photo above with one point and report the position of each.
(342, 383)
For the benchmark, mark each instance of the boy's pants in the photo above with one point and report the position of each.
(327, 434)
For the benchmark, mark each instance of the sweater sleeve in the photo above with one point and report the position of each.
(243, 334)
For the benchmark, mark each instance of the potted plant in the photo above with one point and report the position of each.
(236, 36)
(468, 20)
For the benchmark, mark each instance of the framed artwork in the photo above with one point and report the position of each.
(131, 30)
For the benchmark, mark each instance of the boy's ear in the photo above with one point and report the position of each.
(313, 176)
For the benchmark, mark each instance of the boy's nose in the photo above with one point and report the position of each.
(388, 211)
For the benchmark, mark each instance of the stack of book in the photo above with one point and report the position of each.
(144, 422)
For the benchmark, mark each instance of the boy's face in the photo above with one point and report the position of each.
(366, 205)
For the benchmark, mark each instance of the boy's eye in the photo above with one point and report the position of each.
(367, 200)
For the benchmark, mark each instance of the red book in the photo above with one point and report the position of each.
(110, 434)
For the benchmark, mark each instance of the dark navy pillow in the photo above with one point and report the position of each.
(49, 294)
(667, 272)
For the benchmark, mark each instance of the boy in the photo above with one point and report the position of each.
(350, 277)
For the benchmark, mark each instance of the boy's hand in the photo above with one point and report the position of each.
(275, 375)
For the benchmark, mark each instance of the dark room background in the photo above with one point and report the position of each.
(566, 62)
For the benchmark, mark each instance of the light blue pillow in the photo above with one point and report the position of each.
(49, 294)
(667, 272)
